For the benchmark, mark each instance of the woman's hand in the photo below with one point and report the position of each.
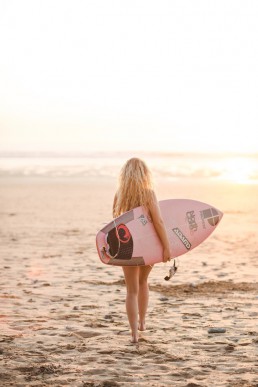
(166, 255)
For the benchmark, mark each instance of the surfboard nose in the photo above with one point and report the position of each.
(217, 218)
(220, 216)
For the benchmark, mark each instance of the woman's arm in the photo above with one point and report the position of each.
(160, 227)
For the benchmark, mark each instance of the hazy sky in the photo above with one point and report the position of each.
(144, 74)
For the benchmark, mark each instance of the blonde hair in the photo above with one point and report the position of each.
(135, 187)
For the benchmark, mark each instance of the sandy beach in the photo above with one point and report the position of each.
(62, 315)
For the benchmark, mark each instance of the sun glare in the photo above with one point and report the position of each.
(240, 170)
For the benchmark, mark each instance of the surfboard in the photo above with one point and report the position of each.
(131, 239)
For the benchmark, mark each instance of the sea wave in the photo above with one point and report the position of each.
(102, 164)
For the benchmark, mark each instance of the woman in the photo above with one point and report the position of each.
(135, 189)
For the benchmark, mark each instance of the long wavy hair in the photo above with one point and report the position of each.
(135, 187)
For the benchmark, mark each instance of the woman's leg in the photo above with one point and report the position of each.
(132, 285)
(143, 295)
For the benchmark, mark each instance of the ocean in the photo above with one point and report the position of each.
(237, 168)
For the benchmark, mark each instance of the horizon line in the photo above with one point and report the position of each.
(82, 153)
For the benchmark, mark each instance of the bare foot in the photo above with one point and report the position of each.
(135, 338)
(141, 326)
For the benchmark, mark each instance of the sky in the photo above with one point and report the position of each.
(139, 74)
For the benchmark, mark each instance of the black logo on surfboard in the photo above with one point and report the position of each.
(190, 216)
(211, 215)
(145, 219)
(182, 238)
(120, 242)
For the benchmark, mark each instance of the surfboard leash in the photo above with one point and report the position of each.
(172, 271)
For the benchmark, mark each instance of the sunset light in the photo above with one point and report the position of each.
(241, 170)
(129, 193)
(128, 76)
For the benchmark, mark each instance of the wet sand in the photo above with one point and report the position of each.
(62, 314)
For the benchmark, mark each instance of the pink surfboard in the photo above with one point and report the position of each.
(131, 239)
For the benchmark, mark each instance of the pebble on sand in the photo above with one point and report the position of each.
(216, 330)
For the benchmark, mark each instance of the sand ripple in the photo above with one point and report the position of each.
(63, 319)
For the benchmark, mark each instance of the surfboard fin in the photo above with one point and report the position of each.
(172, 271)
